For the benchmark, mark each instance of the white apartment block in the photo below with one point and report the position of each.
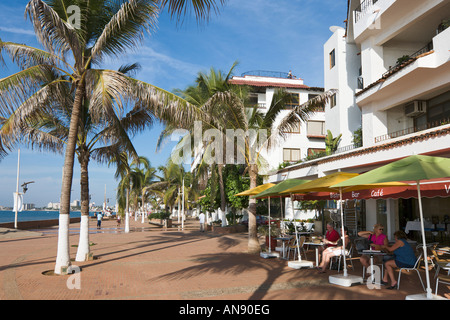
(391, 67)
(308, 137)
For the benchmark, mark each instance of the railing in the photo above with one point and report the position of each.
(410, 130)
(262, 73)
(348, 148)
(423, 50)
(362, 9)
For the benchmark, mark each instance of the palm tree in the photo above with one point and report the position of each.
(208, 87)
(107, 28)
(48, 128)
(227, 108)
(129, 184)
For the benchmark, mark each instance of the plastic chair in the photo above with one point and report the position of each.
(348, 257)
(440, 263)
(416, 268)
(442, 279)
(292, 245)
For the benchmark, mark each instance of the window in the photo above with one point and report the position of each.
(316, 129)
(295, 101)
(320, 108)
(295, 128)
(332, 59)
(291, 155)
(333, 101)
(439, 109)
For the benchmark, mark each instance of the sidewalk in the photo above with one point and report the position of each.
(151, 263)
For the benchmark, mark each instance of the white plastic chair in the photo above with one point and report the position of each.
(348, 256)
(442, 279)
(416, 268)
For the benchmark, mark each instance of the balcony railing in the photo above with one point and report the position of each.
(270, 74)
(363, 8)
(408, 58)
(411, 130)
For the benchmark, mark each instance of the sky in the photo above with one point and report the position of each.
(264, 35)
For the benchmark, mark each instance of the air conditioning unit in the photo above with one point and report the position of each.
(415, 108)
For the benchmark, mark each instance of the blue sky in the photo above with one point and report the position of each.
(266, 35)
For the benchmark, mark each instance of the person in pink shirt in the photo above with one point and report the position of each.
(376, 237)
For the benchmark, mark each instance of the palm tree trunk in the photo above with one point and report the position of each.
(83, 244)
(253, 243)
(222, 193)
(63, 253)
(127, 214)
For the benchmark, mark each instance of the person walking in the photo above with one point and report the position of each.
(99, 220)
(201, 217)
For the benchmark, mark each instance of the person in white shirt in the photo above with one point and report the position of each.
(201, 217)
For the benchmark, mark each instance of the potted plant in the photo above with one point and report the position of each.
(270, 238)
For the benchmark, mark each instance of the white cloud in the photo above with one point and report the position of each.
(18, 31)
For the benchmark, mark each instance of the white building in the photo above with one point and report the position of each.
(308, 137)
(53, 205)
(391, 66)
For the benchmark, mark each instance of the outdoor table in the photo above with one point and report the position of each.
(372, 253)
(317, 244)
(283, 241)
(443, 250)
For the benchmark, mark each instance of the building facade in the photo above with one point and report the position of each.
(391, 67)
(307, 138)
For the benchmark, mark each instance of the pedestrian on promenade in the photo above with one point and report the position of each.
(201, 217)
(99, 220)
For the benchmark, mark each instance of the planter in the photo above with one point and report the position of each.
(229, 229)
(273, 242)
(162, 222)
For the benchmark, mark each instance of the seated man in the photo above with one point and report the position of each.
(331, 238)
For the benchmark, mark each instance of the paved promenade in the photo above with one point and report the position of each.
(151, 263)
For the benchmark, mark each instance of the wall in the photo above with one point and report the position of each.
(27, 225)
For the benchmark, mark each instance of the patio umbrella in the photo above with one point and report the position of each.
(274, 192)
(326, 184)
(255, 191)
(413, 168)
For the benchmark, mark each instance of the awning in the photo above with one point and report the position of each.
(429, 189)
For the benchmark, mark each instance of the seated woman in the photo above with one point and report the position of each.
(376, 237)
(404, 257)
(330, 252)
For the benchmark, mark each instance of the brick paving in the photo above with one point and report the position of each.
(152, 263)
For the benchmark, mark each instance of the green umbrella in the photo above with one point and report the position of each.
(280, 187)
(413, 168)
(274, 192)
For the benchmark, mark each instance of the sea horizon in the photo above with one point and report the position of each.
(36, 215)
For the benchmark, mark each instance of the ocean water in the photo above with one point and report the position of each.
(8, 216)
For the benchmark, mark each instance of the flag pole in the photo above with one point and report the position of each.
(17, 190)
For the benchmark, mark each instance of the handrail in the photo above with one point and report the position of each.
(262, 73)
(404, 132)
(362, 9)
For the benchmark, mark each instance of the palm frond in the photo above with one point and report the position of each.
(125, 29)
(303, 112)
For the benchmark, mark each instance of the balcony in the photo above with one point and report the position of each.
(411, 130)
(364, 8)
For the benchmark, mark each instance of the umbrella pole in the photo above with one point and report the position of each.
(342, 234)
(281, 207)
(419, 197)
(270, 235)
